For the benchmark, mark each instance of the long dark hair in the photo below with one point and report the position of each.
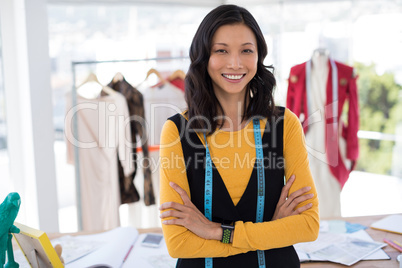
(200, 97)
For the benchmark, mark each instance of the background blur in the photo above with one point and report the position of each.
(366, 34)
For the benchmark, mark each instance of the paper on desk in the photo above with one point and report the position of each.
(75, 248)
(323, 240)
(117, 243)
(349, 251)
(377, 255)
(392, 223)
(341, 248)
(147, 257)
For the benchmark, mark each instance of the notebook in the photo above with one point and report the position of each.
(392, 223)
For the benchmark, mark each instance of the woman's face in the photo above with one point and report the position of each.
(233, 60)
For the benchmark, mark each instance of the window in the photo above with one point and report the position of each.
(93, 33)
(5, 182)
(365, 34)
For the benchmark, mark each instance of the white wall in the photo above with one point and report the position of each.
(29, 110)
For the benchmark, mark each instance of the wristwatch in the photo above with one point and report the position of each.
(227, 231)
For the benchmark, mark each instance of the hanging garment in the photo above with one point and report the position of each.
(178, 82)
(161, 102)
(102, 136)
(317, 92)
(135, 102)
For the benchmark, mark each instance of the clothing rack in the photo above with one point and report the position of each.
(75, 123)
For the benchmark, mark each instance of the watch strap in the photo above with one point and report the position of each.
(227, 231)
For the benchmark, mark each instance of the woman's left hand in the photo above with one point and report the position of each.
(188, 215)
(287, 205)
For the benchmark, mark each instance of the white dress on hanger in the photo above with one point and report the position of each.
(103, 133)
(160, 103)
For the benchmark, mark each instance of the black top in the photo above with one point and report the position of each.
(223, 209)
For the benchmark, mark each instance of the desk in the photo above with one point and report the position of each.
(377, 236)
(366, 220)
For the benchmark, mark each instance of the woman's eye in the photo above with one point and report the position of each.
(220, 51)
(248, 51)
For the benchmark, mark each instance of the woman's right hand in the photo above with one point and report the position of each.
(286, 205)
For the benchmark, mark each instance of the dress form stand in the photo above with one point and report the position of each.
(328, 188)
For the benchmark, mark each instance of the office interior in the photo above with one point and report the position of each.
(48, 47)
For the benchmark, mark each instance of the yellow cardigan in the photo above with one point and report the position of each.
(233, 153)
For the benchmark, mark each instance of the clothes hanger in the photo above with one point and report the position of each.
(91, 78)
(91, 87)
(118, 77)
(162, 80)
(153, 71)
(178, 74)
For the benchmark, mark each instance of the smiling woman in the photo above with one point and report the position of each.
(233, 63)
(224, 203)
(229, 43)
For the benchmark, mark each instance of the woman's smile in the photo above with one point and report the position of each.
(234, 78)
(233, 60)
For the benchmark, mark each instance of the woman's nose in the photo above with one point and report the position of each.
(235, 62)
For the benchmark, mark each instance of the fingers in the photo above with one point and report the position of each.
(291, 180)
(183, 194)
(175, 222)
(298, 193)
(172, 205)
(300, 199)
(59, 250)
(172, 213)
(296, 197)
(176, 214)
(178, 221)
(190, 208)
(285, 189)
(302, 209)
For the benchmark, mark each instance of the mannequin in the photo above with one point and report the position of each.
(317, 91)
(328, 188)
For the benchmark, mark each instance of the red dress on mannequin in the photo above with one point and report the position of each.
(332, 145)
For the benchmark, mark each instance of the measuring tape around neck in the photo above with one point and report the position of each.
(261, 183)
(260, 190)
(208, 193)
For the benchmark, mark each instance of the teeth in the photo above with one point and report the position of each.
(233, 77)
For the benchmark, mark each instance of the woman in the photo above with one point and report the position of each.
(223, 198)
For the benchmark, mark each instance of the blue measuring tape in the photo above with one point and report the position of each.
(261, 187)
(261, 183)
(208, 193)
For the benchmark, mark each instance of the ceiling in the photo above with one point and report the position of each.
(188, 2)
